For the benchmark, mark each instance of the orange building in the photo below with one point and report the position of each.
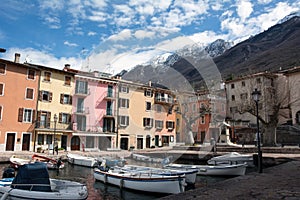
(18, 101)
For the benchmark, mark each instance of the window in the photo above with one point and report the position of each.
(65, 99)
(45, 96)
(49, 139)
(29, 93)
(1, 89)
(31, 74)
(158, 108)
(40, 139)
(147, 122)
(233, 109)
(159, 124)
(123, 120)
(243, 84)
(1, 112)
(2, 68)
(68, 80)
(148, 93)
(202, 120)
(170, 125)
(244, 96)
(232, 98)
(148, 106)
(64, 118)
(47, 76)
(81, 87)
(124, 103)
(124, 89)
(25, 115)
(232, 86)
(90, 140)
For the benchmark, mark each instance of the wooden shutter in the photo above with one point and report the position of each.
(127, 103)
(59, 117)
(50, 96)
(61, 98)
(70, 100)
(20, 115)
(33, 116)
(40, 95)
(127, 121)
(1, 89)
(48, 119)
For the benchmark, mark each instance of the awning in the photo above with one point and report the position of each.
(94, 134)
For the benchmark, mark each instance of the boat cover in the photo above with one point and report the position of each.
(33, 173)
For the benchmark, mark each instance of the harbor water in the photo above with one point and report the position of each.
(100, 191)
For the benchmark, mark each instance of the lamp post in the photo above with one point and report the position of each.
(256, 96)
(55, 121)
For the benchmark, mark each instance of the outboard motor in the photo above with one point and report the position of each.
(8, 173)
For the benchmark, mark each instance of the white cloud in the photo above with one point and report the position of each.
(142, 34)
(91, 33)
(264, 1)
(123, 35)
(42, 58)
(207, 37)
(67, 43)
(244, 9)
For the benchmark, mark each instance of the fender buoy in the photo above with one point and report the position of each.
(105, 178)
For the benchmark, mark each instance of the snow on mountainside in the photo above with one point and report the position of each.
(290, 16)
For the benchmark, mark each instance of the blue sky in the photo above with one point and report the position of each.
(110, 35)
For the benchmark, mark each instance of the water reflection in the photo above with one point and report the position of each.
(100, 191)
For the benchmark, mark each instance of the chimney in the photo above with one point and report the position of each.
(67, 66)
(17, 57)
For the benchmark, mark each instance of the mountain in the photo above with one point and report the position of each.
(275, 49)
(171, 66)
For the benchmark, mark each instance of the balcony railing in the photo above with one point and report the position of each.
(82, 111)
(82, 92)
(164, 100)
(92, 129)
(51, 125)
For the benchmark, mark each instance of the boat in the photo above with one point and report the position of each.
(190, 174)
(86, 161)
(144, 158)
(141, 181)
(232, 158)
(32, 182)
(16, 162)
(50, 162)
(213, 170)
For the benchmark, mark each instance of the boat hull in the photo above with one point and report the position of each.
(142, 182)
(232, 158)
(82, 160)
(215, 170)
(61, 189)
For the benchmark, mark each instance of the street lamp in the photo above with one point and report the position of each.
(55, 121)
(256, 96)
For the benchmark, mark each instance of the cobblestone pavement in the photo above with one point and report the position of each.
(278, 182)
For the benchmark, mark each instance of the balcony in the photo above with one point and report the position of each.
(47, 126)
(82, 92)
(82, 111)
(90, 129)
(109, 113)
(164, 100)
(109, 96)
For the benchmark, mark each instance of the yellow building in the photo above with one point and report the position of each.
(53, 125)
(144, 120)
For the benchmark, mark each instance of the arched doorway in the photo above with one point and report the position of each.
(75, 143)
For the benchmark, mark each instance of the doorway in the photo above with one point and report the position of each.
(64, 140)
(75, 143)
(10, 141)
(124, 143)
(26, 142)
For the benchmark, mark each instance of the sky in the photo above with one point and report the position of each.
(111, 35)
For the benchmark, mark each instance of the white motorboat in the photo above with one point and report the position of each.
(232, 158)
(214, 170)
(82, 160)
(144, 158)
(50, 162)
(16, 162)
(190, 174)
(141, 181)
(33, 182)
